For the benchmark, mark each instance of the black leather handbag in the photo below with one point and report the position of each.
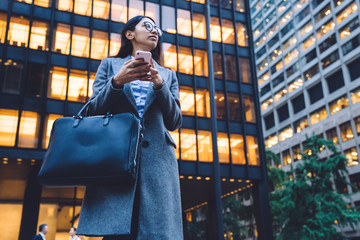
(92, 150)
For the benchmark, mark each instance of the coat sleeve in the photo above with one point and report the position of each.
(168, 97)
(104, 93)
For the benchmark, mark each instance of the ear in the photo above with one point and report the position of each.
(129, 35)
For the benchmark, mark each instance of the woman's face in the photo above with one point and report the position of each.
(145, 34)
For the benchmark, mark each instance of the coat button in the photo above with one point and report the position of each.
(145, 144)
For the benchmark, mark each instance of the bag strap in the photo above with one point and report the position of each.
(82, 109)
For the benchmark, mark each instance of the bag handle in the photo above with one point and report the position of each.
(79, 115)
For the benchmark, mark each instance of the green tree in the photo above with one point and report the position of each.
(308, 206)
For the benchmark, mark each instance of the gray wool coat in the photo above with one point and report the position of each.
(107, 210)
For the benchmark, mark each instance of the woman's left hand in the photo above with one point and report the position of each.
(155, 75)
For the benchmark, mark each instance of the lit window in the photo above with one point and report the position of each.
(305, 29)
(175, 136)
(285, 133)
(240, 5)
(197, 1)
(260, 40)
(290, 42)
(357, 125)
(62, 39)
(318, 115)
(188, 144)
(57, 83)
(170, 56)
(249, 108)
(346, 132)
(242, 36)
(351, 8)
(83, 7)
(8, 125)
(355, 95)
(186, 60)
(291, 56)
(77, 85)
(252, 151)
(39, 38)
(332, 135)
(136, 8)
(263, 78)
(286, 157)
(49, 121)
(99, 44)
(325, 28)
(25, 1)
(2, 27)
(271, 140)
(301, 124)
(153, 11)
(168, 19)
(349, 28)
(202, 103)
(80, 42)
(101, 9)
(285, 18)
(245, 70)
(201, 62)
(308, 42)
(91, 83)
(234, 107)
(223, 147)
(275, 54)
(267, 103)
(205, 146)
(183, 22)
(18, 31)
(339, 104)
(237, 149)
(220, 104)
(115, 43)
(186, 96)
(264, 63)
(65, 5)
(228, 34)
(322, 13)
(29, 129)
(119, 11)
(215, 30)
(296, 152)
(280, 94)
(199, 26)
(352, 157)
(43, 3)
(295, 84)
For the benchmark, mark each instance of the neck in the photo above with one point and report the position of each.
(139, 48)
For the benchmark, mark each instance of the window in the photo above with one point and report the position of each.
(285, 133)
(205, 146)
(291, 70)
(338, 104)
(325, 28)
(285, 17)
(290, 42)
(273, 41)
(80, 42)
(322, 13)
(245, 70)
(228, 34)
(202, 103)
(29, 129)
(271, 30)
(308, 42)
(183, 22)
(170, 56)
(315, 93)
(297, 83)
(252, 151)
(77, 85)
(352, 156)
(234, 107)
(331, 58)
(200, 61)
(332, 135)
(301, 124)
(3, 20)
(296, 152)
(355, 181)
(280, 94)
(335, 81)
(347, 29)
(35, 79)
(65, 5)
(249, 107)
(215, 31)
(311, 72)
(187, 100)
(288, 28)
(188, 144)
(101, 9)
(286, 157)
(346, 132)
(43, 3)
(283, 113)
(99, 45)
(199, 26)
(298, 103)
(306, 28)
(263, 78)
(269, 121)
(327, 43)
(262, 65)
(261, 52)
(275, 53)
(230, 68)
(217, 62)
(223, 147)
(220, 105)
(185, 60)
(168, 19)
(357, 125)
(83, 7)
(318, 115)
(119, 11)
(57, 83)
(8, 125)
(18, 31)
(303, 14)
(355, 95)
(115, 43)
(153, 11)
(267, 103)
(350, 45)
(289, 57)
(270, 16)
(337, 2)
(39, 38)
(62, 39)
(257, 31)
(348, 10)
(277, 81)
(271, 140)
(309, 57)
(237, 149)
(12, 77)
(265, 90)
(242, 36)
(354, 69)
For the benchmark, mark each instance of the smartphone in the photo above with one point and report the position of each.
(143, 54)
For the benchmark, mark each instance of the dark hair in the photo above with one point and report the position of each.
(41, 227)
(126, 45)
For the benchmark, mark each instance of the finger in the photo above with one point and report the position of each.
(142, 68)
(152, 63)
(128, 61)
(154, 70)
(137, 62)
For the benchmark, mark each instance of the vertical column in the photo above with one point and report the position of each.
(216, 228)
(31, 205)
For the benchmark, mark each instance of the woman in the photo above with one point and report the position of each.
(124, 84)
(73, 235)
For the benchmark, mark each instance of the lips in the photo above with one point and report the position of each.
(153, 37)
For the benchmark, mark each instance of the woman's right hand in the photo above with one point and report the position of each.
(134, 69)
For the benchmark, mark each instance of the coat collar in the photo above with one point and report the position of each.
(150, 97)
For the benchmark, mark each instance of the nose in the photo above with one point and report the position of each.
(153, 31)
